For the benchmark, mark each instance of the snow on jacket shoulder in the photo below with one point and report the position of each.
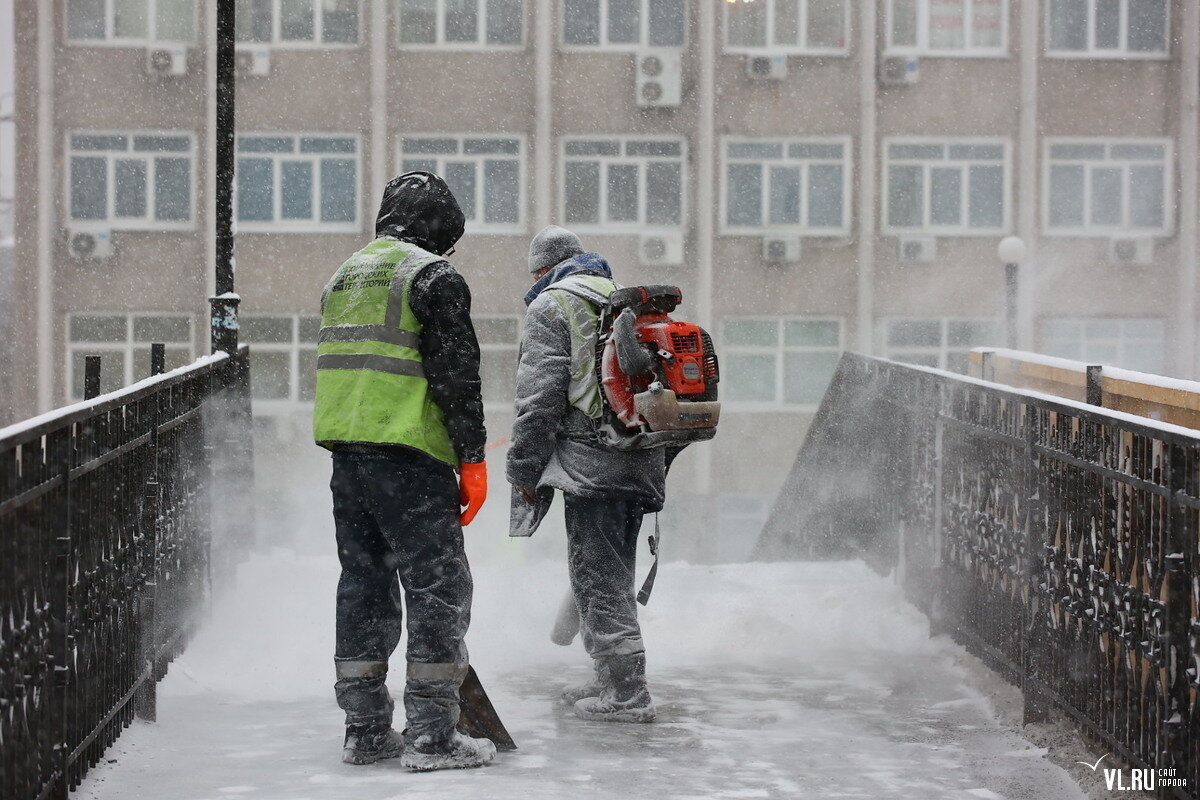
(553, 444)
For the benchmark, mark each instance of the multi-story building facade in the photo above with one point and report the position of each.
(817, 175)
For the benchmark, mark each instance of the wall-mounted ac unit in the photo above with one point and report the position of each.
(781, 249)
(90, 244)
(918, 249)
(659, 81)
(254, 62)
(899, 71)
(767, 68)
(660, 249)
(166, 62)
(1133, 250)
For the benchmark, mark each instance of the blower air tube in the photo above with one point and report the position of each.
(632, 358)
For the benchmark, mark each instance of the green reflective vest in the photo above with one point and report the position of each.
(371, 386)
(581, 297)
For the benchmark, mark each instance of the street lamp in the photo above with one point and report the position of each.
(1012, 252)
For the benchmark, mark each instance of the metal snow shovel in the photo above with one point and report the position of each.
(478, 716)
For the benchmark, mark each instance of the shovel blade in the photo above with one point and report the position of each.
(478, 716)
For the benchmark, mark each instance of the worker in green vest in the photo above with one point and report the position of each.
(398, 402)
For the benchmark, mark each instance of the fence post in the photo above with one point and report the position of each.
(1034, 706)
(937, 617)
(91, 377)
(1180, 572)
(60, 612)
(146, 703)
(1095, 385)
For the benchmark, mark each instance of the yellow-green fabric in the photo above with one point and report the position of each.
(371, 386)
(581, 298)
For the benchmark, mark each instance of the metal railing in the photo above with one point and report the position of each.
(107, 513)
(1058, 541)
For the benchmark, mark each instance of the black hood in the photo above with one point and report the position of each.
(418, 207)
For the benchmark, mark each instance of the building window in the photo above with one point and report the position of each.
(285, 356)
(1107, 28)
(297, 22)
(301, 183)
(461, 23)
(794, 185)
(131, 22)
(499, 336)
(1131, 343)
(1104, 187)
(948, 27)
(483, 172)
(123, 343)
(130, 181)
(773, 362)
(617, 182)
(624, 24)
(786, 26)
(950, 188)
(941, 343)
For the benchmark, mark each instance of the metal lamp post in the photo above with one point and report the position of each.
(225, 301)
(1012, 252)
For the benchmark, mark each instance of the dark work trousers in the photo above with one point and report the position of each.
(602, 535)
(397, 526)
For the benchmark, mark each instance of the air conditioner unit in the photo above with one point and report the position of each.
(1131, 251)
(770, 68)
(781, 249)
(89, 245)
(166, 62)
(918, 249)
(254, 62)
(899, 71)
(659, 78)
(660, 249)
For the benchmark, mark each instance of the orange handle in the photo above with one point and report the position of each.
(472, 489)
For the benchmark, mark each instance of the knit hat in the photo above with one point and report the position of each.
(552, 246)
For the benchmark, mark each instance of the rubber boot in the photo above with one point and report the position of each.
(457, 752)
(593, 688)
(625, 698)
(366, 744)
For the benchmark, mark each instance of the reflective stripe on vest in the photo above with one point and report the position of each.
(580, 297)
(371, 385)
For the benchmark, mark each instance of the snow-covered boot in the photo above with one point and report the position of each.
(593, 688)
(457, 752)
(366, 744)
(625, 698)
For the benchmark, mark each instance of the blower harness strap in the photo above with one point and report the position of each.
(648, 586)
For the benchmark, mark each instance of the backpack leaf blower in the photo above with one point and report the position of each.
(658, 376)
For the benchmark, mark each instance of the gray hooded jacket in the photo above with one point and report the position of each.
(554, 444)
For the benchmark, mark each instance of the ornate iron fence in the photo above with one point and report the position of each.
(1058, 541)
(107, 511)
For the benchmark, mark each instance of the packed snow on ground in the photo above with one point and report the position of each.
(772, 680)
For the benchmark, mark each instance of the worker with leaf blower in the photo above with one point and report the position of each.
(609, 465)
(398, 402)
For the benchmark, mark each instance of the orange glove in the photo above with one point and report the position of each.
(472, 489)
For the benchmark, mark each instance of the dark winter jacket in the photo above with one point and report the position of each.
(553, 444)
(418, 207)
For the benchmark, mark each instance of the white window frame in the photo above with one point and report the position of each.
(802, 229)
(496, 347)
(641, 226)
(131, 347)
(113, 222)
(606, 46)
(1120, 341)
(109, 40)
(924, 49)
(1089, 230)
(779, 350)
(293, 348)
(944, 349)
(784, 49)
(477, 226)
(480, 42)
(964, 229)
(277, 42)
(1122, 53)
(315, 225)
